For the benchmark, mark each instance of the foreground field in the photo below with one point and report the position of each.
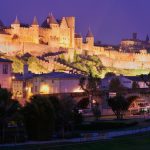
(138, 142)
(127, 143)
(134, 142)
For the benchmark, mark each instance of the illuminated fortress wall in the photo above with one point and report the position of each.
(125, 60)
(55, 35)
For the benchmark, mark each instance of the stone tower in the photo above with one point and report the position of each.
(35, 30)
(78, 41)
(52, 21)
(134, 36)
(54, 34)
(90, 39)
(71, 25)
(147, 38)
(16, 27)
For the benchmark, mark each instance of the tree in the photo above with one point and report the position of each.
(35, 65)
(135, 85)
(57, 105)
(119, 105)
(77, 116)
(110, 74)
(39, 118)
(9, 111)
(96, 111)
(44, 115)
(86, 63)
(67, 107)
(115, 85)
(90, 85)
(132, 98)
(66, 113)
(83, 103)
(8, 107)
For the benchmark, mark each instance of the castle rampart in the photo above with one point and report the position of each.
(54, 35)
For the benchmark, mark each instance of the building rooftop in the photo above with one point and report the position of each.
(77, 35)
(16, 21)
(5, 60)
(49, 20)
(51, 75)
(89, 34)
(138, 78)
(20, 76)
(2, 25)
(35, 21)
(60, 75)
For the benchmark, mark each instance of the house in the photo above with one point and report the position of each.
(126, 81)
(20, 84)
(6, 73)
(139, 105)
(139, 80)
(54, 83)
(50, 83)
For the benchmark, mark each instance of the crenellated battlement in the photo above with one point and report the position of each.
(54, 35)
(125, 60)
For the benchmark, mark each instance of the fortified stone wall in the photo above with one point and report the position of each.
(30, 34)
(5, 38)
(125, 60)
(126, 56)
(44, 34)
(59, 34)
(13, 48)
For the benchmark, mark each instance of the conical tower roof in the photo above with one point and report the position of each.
(1, 25)
(147, 38)
(89, 33)
(16, 21)
(52, 19)
(35, 21)
(78, 35)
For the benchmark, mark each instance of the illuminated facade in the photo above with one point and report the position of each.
(126, 81)
(59, 35)
(55, 83)
(51, 83)
(51, 34)
(6, 73)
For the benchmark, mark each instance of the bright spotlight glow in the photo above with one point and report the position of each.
(44, 89)
(78, 90)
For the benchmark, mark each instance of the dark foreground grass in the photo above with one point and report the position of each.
(134, 142)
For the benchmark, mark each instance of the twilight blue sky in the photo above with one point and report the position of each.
(110, 20)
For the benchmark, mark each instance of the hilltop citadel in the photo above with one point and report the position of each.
(59, 35)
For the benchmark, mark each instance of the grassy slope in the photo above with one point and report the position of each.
(126, 72)
(94, 63)
(36, 67)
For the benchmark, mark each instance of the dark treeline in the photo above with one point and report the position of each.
(40, 119)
